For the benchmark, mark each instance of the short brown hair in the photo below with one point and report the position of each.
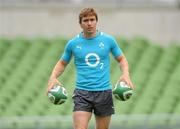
(87, 11)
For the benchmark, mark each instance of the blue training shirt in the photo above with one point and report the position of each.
(92, 61)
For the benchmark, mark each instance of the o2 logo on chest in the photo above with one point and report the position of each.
(93, 60)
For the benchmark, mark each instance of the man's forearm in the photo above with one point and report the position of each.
(58, 69)
(123, 64)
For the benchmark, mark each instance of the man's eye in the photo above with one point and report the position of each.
(85, 20)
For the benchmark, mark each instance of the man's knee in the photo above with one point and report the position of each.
(102, 127)
(102, 122)
(80, 127)
(81, 119)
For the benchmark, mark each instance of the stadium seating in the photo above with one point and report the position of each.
(26, 64)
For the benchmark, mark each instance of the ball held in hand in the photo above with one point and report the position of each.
(122, 91)
(57, 95)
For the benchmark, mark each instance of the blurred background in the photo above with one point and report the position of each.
(33, 34)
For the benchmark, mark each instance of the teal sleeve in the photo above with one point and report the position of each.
(115, 49)
(67, 53)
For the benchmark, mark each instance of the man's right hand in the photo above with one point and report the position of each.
(51, 83)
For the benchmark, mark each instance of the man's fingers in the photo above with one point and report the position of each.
(51, 84)
(59, 83)
(48, 89)
(131, 85)
(128, 82)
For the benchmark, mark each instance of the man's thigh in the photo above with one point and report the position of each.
(81, 119)
(102, 122)
(82, 101)
(104, 103)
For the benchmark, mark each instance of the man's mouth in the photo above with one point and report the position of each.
(90, 28)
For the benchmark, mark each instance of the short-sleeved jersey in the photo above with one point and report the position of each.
(92, 60)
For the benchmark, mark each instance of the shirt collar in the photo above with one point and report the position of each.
(97, 34)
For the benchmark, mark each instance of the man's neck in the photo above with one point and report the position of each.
(89, 35)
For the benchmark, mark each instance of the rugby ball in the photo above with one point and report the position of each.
(57, 95)
(122, 91)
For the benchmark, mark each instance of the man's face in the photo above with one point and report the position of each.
(88, 24)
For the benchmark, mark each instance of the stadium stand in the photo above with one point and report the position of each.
(25, 65)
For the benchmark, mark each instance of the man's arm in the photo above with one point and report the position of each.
(123, 64)
(57, 71)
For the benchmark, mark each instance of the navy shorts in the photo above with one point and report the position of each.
(99, 102)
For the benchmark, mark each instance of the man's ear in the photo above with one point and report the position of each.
(80, 25)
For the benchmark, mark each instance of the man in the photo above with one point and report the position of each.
(93, 92)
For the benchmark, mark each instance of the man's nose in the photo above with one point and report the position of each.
(89, 22)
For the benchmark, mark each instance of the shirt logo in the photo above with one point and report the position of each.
(79, 47)
(88, 61)
(101, 45)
